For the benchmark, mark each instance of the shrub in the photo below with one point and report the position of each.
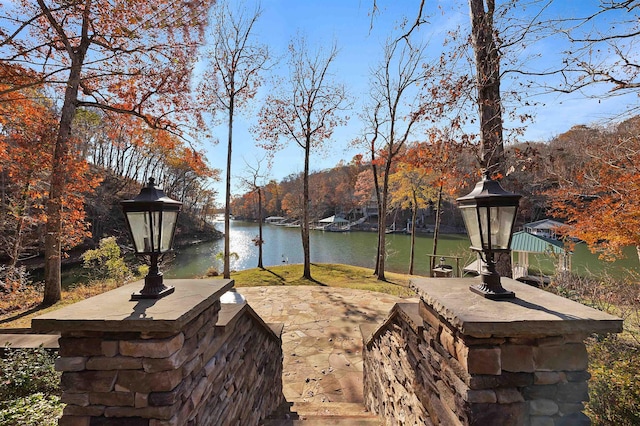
(37, 409)
(616, 296)
(106, 262)
(13, 279)
(143, 270)
(29, 388)
(614, 389)
(27, 371)
(17, 292)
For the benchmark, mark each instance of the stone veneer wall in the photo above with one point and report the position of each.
(420, 368)
(392, 380)
(203, 375)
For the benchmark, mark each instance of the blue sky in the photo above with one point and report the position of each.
(348, 22)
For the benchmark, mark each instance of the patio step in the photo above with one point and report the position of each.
(322, 414)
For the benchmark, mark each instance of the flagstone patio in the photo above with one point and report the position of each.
(321, 340)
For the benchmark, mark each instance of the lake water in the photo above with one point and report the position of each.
(283, 245)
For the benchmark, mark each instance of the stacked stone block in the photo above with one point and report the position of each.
(421, 367)
(392, 375)
(202, 375)
(181, 360)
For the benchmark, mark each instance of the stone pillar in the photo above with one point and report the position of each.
(511, 362)
(456, 358)
(160, 362)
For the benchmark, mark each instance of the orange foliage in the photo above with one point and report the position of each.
(29, 130)
(600, 196)
(440, 158)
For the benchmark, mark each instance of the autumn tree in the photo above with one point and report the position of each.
(24, 124)
(27, 134)
(364, 188)
(440, 158)
(600, 197)
(410, 189)
(333, 189)
(306, 109)
(389, 120)
(273, 198)
(120, 56)
(234, 63)
(27, 126)
(186, 176)
(254, 182)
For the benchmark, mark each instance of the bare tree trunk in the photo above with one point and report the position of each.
(227, 199)
(17, 242)
(383, 216)
(436, 228)
(487, 61)
(260, 242)
(414, 217)
(380, 249)
(53, 209)
(376, 185)
(304, 225)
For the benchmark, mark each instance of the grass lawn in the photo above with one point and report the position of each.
(329, 275)
(18, 312)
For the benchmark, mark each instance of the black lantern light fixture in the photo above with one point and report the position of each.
(489, 213)
(151, 218)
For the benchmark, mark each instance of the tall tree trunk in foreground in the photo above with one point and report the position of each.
(235, 63)
(304, 222)
(487, 62)
(53, 227)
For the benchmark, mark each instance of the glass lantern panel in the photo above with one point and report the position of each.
(497, 223)
(155, 228)
(141, 229)
(168, 224)
(484, 215)
(504, 225)
(470, 218)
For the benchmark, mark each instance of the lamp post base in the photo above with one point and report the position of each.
(489, 293)
(153, 288)
(490, 286)
(139, 295)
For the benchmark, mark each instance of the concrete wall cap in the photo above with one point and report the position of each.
(532, 312)
(114, 312)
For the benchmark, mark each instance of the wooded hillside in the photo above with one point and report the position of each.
(588, 177)
(110, 158)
